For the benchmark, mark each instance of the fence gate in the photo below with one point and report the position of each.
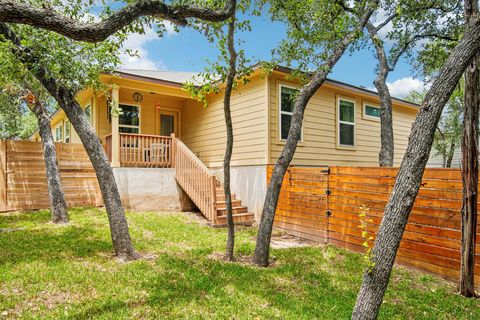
(303, 203)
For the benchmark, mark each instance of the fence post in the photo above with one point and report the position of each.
(3, 176)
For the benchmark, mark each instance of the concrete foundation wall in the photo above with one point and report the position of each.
(151, 189)
(249, 183)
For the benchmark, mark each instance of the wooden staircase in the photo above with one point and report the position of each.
(204, 188)
(241, 216)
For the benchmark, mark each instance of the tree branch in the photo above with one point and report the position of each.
(23, 13)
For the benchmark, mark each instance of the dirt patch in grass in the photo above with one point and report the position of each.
(286, 241)
(243, 260)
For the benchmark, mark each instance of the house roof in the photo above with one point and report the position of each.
(168, 76)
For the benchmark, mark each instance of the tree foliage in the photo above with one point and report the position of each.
(449, 129)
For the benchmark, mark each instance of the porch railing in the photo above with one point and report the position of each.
(140, 150)
(196, 179)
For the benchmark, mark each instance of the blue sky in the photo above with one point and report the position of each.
(188, 50)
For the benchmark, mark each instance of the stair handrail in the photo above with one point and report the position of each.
(196, 179)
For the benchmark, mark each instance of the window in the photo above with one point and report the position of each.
(88, 113)
(287, 101)
(129, 120)
(371, 112)
(59, 133)
(346, 123)
(67, 132)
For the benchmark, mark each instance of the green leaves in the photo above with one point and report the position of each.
(314, 29)
(364, 222)
(212, 79)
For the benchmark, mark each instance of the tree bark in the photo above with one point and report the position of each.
(229, 147)
(451, 153)
(262, 248)
(470, 165)
(122, 244)
(58, 205)
(409, 177)
(387, 143)
(43, 17)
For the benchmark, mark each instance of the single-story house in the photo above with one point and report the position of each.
(341, 127)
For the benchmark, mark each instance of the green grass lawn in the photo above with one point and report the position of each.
(67, 272)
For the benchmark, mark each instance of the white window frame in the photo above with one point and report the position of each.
(280, 112)
(365, 115)
(346, 122)
(66, 124)
(60, 125)
(139, 117)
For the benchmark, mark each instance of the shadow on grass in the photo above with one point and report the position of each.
(65, 242)
(12, 219)
(230, 290)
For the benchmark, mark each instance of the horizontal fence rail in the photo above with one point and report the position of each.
(138, 150)
(23, 182)
(196, 179)
(324, 205)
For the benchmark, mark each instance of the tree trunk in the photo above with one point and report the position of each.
(386, 154)
(122, 244)
(470, 166)
(58, 206)
(229, 147)
(262, 249)
(451, 153)
(409, 177)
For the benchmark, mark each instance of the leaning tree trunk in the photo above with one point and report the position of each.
(262, 248)
(386, 154)
(409, 177)
(470, 167)
(122, 243)
(229, 147)
(58, 206)
(449, 159)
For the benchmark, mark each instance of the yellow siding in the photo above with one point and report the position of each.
(204, 129)
(102, 125)
(319, 145)
(255, 124)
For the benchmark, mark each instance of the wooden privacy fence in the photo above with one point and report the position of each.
(323, 204)
(23, 183)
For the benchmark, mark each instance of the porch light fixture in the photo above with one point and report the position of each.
(137, 97)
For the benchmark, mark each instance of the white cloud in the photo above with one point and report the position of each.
(137, 43)
(400, 88)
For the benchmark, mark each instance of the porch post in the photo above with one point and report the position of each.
(115, 130)
(172, 150)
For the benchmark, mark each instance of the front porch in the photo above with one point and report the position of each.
(197, 181)
(147, 134)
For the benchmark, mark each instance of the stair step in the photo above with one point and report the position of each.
(246, 218)
(221, 197)
(223, 204)
(235, 210)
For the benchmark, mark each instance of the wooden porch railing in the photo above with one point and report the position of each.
(140, 150)
(196, 179)
(145, 150)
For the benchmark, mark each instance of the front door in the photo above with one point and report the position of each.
(168, 123)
